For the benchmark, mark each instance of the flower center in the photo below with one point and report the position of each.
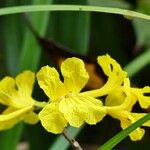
(70, 94)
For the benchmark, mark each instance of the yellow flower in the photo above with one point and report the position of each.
(121, 97)
(114, 73)
(67, 103)
(126, 119)
(16, 96)
(119, 105)
(142, 95)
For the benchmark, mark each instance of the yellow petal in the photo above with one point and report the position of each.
(72, 112)
(18, 94)
(138, 94)
(126, 119)
(51, 119)
(143, 100)
(11, 117)
(109, 65)
(115, 98)
(137, 134)
(7, 86)
(74, 73)
(118, 99)
(31, 118)
(25, 82)
(48, 79)
(115, 75)
(138, 116)
(114, 72)
(94, 110)
(126, 86)
(77, 109)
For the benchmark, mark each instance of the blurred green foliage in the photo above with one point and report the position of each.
(88, 34)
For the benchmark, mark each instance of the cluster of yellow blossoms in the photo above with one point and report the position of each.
(67, 104)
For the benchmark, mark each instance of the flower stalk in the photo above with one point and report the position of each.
(75, 144)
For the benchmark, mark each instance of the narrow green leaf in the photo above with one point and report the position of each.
(66, 28)
(138, 63)
(35, 8)
(142, 27)
(110, 3)
(13, 25)
(30, 54)
(12, 42)
(124, 133)
(10, 138)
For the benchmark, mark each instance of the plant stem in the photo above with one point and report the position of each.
(71, 140)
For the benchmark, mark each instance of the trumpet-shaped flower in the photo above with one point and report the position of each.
(142, 96)
(126, 119)
(16, 96)
(114, 73)
(138, 94)
(67, 103)
(119, 105)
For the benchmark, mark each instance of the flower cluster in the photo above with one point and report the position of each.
(68, 104)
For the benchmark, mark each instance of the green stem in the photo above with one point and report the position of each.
(35, 8)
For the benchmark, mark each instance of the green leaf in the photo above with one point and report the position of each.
(13, 25)
(31, 51)
(109, 3)
(124, 133)
(66, 27)
(36, 8)
(10, 138)
(138, 63)
(142, 27)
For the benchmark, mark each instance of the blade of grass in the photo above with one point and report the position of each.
(31, 50)
(36, 8)
(141, 27)
(10, 138)
(138, 63)
(12, 41)
(61, 30)
(110, 3)
(124, 133)
(66, 27)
